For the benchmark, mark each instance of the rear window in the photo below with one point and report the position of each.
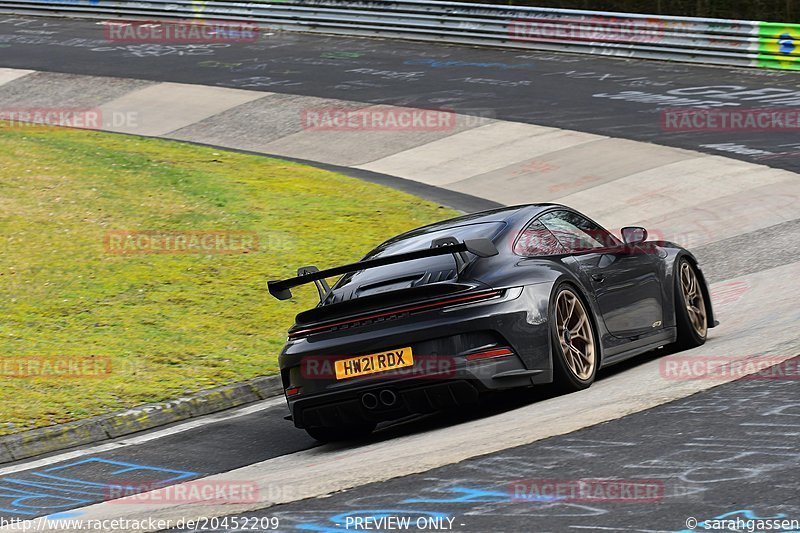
(412, 273)
(421, 239)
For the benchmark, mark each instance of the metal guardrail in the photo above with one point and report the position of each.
(698, 40)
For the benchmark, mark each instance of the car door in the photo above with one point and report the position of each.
(625, 280)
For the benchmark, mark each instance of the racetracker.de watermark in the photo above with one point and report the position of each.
(126, 242)
(179, 31)
(377, 119)
(730, 120)
(55, 367)
(722, 367)
(68, 117)
(202, 491)
(590, 28)
(588, 490)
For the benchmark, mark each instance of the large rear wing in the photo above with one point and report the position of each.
(281, 289)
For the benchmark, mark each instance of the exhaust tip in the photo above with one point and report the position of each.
(388, 398)
(369, 400)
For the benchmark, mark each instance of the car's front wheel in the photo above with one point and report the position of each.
(690, 307)
(575, 352)
(341, 433)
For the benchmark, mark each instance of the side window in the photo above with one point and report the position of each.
(575, 233)
(537, 240)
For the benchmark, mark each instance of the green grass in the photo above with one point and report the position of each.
(170, 323)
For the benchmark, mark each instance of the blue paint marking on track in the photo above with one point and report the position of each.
(467, 495)
(470, 495)
(17, 499)
(78, 483)
(127, 467)
(64, 515)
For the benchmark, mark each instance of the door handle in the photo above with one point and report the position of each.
(599, 278)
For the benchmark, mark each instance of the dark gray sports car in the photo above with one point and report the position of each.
(515, 297)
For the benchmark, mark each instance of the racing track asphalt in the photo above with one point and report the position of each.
(721, 454)
(608, 96)
(493, 80)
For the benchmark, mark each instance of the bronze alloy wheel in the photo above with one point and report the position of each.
(575, 336)
(693, 299)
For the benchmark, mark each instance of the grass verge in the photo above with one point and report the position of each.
(169, 324)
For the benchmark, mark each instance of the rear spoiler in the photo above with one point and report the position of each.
(281, 289)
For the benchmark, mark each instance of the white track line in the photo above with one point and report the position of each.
(146, 437)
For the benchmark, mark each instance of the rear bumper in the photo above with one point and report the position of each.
(410, 396)
(349, 409)
(436, 337)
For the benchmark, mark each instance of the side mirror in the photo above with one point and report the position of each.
(634, 235)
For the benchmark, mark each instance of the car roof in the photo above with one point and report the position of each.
(512, 218)
(510, 215)
(502, 220)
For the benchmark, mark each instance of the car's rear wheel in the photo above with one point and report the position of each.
(341, 433)
(690, 307)
(575, 352)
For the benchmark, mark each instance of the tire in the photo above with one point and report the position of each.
(575, 355)
(340, 433)
(691, 315)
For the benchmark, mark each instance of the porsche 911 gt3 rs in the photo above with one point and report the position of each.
(514, 297)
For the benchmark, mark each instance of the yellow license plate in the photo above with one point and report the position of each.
(373, 363)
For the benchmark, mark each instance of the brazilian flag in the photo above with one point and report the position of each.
(779, 45)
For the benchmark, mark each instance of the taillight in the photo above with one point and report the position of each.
(489, 354)
(428, 306)
(292, 391)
